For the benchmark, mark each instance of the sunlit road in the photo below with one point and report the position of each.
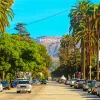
(51, 91)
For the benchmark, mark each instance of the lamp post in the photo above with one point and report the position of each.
(90, 71)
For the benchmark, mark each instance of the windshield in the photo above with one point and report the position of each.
(24, 82)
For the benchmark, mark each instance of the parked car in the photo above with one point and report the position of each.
(98, 91)
(73, 80)
(95, 87)
(1, 87)
(35, 81)
(24, 86)
(67, 82)
(44, 81)
(6, 85)
(60, 81)
(86, 85)
(79, 83)
(76, 84)
(12, 84)
(91, 85)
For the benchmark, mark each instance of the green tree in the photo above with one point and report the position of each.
(80, 28)
(6, 13)
(18, 54)
(21, 28)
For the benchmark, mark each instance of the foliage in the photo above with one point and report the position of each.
(21, 28)
(18, 54)
(85, 21)
(5, 13)
(69, 58)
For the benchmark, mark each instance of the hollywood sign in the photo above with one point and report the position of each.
(50, 40)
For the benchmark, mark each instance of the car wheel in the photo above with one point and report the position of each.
(97, 94)
(92, 92)
(29, 91)
(88, 91)
(9, 88)
(18, 91)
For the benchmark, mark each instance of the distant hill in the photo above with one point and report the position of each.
(52, 44)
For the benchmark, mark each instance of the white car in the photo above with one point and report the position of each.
(1, 87)
(24, 86)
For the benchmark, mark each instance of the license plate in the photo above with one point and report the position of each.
(23, 89)
(89, 89)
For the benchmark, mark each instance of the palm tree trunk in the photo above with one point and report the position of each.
(89, 45)
(98, 58)
(3, 75)
(83, 59)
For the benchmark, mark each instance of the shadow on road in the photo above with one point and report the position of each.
(85, 94)
(10, 93)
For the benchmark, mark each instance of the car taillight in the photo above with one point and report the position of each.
(96, 86)
(18, 86)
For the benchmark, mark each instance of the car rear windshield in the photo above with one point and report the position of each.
(81, 81)
(23, 82)
(89, 81)
(74, 79)
(4, 82)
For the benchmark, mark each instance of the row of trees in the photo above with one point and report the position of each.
(22, 54)
(19, 52)
(85, 28)
(70, 58)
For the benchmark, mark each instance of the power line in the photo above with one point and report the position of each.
(48, 17)
(44, 18)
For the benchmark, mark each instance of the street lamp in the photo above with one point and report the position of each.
(90, 71)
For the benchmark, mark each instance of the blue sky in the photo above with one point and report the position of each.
(27, 11)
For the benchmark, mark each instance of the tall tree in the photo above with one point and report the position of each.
(21, 28)
(6, 13)
(79, 26)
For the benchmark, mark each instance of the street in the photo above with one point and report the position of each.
(51, 91)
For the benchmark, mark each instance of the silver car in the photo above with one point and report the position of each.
(86, 85)
(67, 82)
(24, 86)
(73, 80)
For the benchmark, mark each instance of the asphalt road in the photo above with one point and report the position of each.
(51, 91)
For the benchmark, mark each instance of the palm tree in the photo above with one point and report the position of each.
(66, 42)
(94, 11)
(78, 16)
(5, 14)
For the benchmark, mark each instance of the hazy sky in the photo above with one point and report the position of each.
(28, 11)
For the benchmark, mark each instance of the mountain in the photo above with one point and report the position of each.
(52, 44)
